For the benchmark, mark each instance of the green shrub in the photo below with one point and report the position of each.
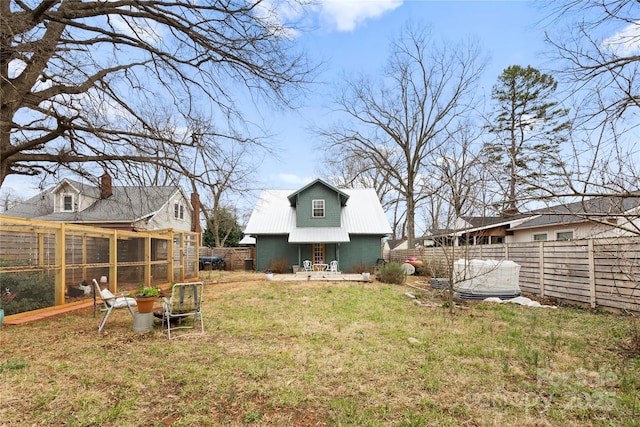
(391, 272)
(26, 292)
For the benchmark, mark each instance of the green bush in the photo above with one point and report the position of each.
(391, 272)
(26, 292)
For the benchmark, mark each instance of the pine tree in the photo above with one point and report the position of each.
(529, 127)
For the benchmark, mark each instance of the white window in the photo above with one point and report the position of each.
(67, 202)
(540, 237)
(178, 211)
(564, 235)
(317, 208)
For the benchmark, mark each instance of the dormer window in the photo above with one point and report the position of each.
(67, 202)
(317, 208)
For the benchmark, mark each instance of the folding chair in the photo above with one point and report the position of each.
(110, 301)
(185, 303)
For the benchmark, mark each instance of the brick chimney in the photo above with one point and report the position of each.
(195, 219)
(105, 186)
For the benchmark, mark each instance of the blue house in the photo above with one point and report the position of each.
(319, 223)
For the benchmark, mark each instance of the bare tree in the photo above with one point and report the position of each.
(77, 76)
(455, 177)
(594, 58)
(597, 58)
(398, 121)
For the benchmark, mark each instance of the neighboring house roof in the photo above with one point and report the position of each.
(492, 221)
(126, 205)
(247, 240)
(597, 208)
(362, 214)
(569, 213)
(394, 243)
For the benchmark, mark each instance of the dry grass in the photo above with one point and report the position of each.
(314, 353)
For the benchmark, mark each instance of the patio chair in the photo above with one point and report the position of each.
(333, 266)
(110, 301)
(184, 304)
(307, 265)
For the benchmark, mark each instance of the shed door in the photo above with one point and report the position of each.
(318, 253)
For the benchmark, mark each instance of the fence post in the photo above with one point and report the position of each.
(61, 261)
(592, 275)
(541, 251)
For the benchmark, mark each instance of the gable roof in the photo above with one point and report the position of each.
(343, 196)
(273, 214)
(126, 205)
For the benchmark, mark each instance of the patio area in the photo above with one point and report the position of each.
(326, 276)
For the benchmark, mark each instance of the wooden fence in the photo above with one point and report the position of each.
(597, 272)
(235, 258)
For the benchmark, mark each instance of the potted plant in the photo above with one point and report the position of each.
(146, 298)
(268, 275)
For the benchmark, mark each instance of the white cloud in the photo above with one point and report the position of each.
(624, 42)
(346, 15)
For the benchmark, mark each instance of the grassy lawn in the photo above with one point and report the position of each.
(314, 353)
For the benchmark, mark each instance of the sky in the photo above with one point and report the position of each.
(353, 36)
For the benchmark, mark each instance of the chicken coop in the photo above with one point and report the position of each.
(45, 264)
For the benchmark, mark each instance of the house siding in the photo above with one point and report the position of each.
(580, 231)
(274, 248)
(362, 249)
(331, 206)
(165, 218)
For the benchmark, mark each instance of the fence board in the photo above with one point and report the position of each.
(611, 278)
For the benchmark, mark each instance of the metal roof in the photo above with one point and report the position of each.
(362, 214)
(318, 234)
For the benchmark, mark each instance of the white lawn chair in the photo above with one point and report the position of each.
(333, 266)
(306, 264)
(110, 301)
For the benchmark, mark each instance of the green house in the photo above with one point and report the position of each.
(319, 223)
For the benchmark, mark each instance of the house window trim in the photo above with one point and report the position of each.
(178, 211)
(546, 237)
(63, 204)
(565, 231)
(314, 208)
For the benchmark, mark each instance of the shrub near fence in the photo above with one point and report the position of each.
(598, 272)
